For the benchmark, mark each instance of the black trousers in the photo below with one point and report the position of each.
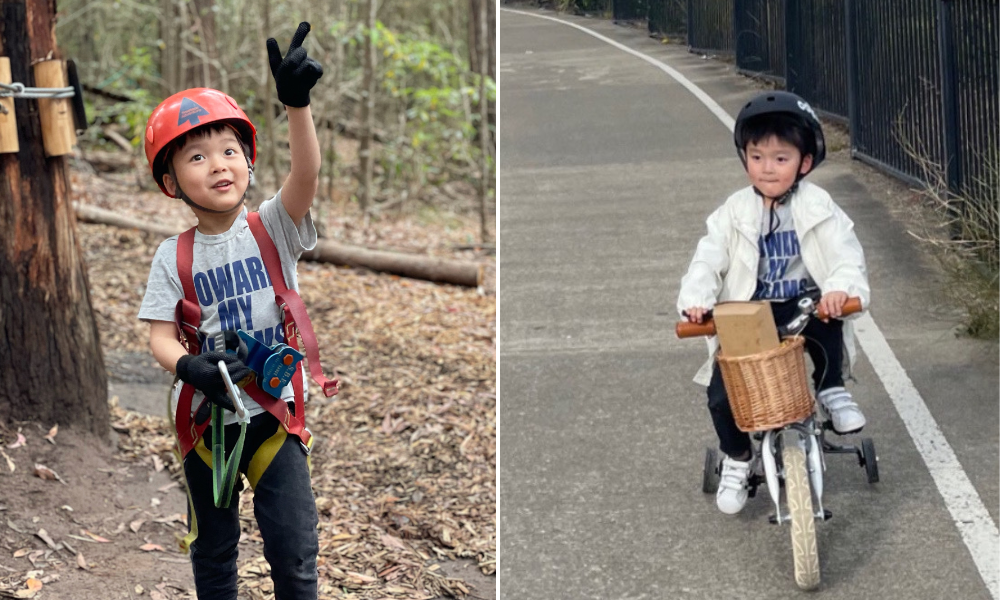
(825, 345)
(275, 464)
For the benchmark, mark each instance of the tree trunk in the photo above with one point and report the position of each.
(51, 366)
(204, 17)
(484, 121)
(272, 146)
(475, 26)
(171, 45)
(368, 111)
(483, 61)
(408, 265)
(338, 75)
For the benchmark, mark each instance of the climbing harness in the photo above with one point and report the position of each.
(296, 324)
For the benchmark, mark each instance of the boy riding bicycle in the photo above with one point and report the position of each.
(777, 240)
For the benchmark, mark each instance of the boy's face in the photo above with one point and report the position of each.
(772, 165)
(211, 170)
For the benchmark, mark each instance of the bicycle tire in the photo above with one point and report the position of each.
(798, 497)
(871, 459)
(710, 474)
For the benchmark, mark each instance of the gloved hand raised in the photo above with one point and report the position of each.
(296, 74)
(202, 371)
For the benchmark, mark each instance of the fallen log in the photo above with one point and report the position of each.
(469, 274)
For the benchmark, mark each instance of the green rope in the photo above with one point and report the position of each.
(224, 472)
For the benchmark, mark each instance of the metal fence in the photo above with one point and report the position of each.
(976, 56)
(759, 32)
(915, 80)
(816, 59)
(895, 101)
(630, 10)
(668, 17)
(710, 26)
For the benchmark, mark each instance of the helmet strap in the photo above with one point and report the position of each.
(782, 199)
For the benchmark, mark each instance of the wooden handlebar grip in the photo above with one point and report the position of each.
(853, 305)
(687, 329)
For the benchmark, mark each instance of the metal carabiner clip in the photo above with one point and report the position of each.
(234, 393)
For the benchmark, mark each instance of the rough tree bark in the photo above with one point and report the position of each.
(51, 367)
(484, 121)
(368, 111)
(478, 61)
(268, 109)
(171, 43)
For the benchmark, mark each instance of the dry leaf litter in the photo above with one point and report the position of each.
(404, 463)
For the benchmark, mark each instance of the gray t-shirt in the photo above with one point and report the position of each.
(233, 287)
(781, 274)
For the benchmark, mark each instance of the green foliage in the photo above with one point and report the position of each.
(437, 95)
(133, 80)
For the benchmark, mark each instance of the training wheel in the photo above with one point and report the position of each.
(869, 459)
(710, 475)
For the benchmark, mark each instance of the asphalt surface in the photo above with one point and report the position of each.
(607, 169)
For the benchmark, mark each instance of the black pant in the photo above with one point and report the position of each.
(825, 345)
(283, 505)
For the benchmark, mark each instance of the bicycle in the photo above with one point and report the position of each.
(796, 463)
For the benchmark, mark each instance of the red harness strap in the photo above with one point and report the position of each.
(296, 321)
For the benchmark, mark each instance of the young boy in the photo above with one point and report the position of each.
(201, 148)
(776, 240)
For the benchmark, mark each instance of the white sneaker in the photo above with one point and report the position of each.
(844, 412)
(732, 494)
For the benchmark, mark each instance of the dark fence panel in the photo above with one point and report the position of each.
(759, 29)
(667, 16)
(710, 25)
(897, 111)
(977, 60)
(630, 10)
(816, 64)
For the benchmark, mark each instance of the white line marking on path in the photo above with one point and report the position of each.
(972, 520)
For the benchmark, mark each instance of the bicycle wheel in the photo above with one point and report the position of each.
(710, 476)
(798, 496)
(870, 458)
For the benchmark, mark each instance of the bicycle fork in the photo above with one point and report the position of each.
(806, 439)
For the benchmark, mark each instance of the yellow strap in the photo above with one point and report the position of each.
(185, 542)
(264, 455)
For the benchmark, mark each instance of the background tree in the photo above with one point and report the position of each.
(422, 97)
(51, 368)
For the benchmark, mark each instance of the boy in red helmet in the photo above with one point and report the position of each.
(776, 240)
(236, 271)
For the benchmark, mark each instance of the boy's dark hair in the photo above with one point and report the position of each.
(784, 126)
(200, 132)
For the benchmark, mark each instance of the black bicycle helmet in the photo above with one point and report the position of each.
(780, 102)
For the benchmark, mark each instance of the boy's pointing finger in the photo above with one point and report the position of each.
(300, 35)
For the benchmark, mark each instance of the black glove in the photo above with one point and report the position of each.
(296, 74)
(202, 371)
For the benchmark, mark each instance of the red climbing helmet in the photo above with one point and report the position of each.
(186, 110)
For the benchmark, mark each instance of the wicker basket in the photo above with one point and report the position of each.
(768, 390)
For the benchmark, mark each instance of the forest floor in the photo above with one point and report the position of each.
(403, 467)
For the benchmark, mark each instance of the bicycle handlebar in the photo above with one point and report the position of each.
(687, 329)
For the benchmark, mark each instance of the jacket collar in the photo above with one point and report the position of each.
(807, 211)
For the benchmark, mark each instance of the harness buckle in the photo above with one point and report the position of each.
(305, 447)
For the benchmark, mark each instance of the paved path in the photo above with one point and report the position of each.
(607, 170)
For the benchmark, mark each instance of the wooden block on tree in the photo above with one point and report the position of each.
(745, 328)
(8, 123)
(58, 129)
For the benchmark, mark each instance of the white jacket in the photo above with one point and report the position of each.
(724, 266)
